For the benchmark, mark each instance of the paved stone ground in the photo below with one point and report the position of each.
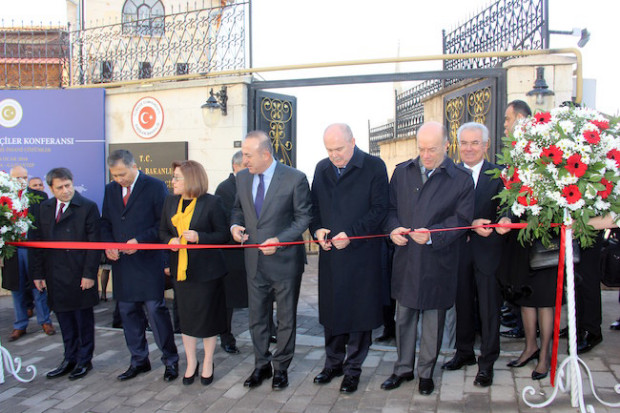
(99, 391)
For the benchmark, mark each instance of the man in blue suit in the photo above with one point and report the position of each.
(131, 212)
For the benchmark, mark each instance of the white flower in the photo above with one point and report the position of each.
(601, 205)
(518, 209)
(535, 209)
(567, 126)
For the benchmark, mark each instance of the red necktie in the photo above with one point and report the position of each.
(126, 197)
(59, 214)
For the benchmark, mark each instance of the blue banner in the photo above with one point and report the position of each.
(44, 129)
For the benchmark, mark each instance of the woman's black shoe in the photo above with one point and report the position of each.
(205, 381)
(515, 363)
(189, 380)
(539, 376)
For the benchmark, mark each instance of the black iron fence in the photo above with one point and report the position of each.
(504, 25)
(191, 42)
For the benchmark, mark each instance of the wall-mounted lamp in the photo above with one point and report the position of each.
(217, 100)
(541, 90)
(583, 33)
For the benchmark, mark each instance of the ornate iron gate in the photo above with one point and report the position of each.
(477, 103)
(276, 115)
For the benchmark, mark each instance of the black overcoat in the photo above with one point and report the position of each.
(235, 283)
(10, 270)
(140, 276)
(424, 276)
(350, 279)
(63, 270)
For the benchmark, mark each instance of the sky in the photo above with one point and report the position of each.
(287, 32)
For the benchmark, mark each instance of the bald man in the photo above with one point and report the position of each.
(15, 275)
(426, 193)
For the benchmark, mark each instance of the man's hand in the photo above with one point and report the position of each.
(397, 237)
(269, 250)
(421, 237)
(321, 236)
(131, 241)
(167, 271)
(191, 236)
(87, 283)
(174, 241)
(483, 232)
(238, 233)
(40, 285)
(341, 241)
(112, 254)
(503, 230)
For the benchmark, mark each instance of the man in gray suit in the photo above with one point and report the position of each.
(272, 206)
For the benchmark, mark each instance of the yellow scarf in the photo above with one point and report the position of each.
(181, 222)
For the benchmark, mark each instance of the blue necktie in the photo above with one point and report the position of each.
(260, 195)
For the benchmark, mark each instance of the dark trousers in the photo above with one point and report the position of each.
(78, 334)
(347, 350)
(588, 289)
(474, 283)
(260, 299)
(134, 326)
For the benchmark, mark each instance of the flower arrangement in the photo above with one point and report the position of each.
(567, 159)
(14, 218)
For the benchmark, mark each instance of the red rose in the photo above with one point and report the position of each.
(554, 153)
(575, 166)
(615, 155)
(527, 193)
(592, 137)
(571, 193)
(601, 124)
(542, 117)
(5, 200)
(608, 188)
(513, 180)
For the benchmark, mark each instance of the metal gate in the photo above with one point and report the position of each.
(477, 103)
(276, 115)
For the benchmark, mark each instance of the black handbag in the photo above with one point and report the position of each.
(610, 262)
(542, 257)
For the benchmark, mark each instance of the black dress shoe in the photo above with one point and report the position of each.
(133, 371)
(587, 341)
(394, 381)
(516, 363)
(563, 332)
(458, 362)
(326, 375)
(386, 336)
(539, 376)
(257, 377)
(280, 380)
(426, 386)
(189, 380)
(615, 325)
(484, 378)
(205, 381)
(65, 367)
(171, 372)
(230, 348)
(273, 339)
(513, 333)
(80, 371)
(349, 384)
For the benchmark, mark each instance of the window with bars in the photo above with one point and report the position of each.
(143, 17)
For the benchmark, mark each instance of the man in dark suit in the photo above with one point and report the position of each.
(426, 193)
(70, 276)
(349, 198)
(479, 260)
(235, 282)
(15, 272)
(132, 207)
(272, 205)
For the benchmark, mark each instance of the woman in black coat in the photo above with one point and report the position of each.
(191, 216)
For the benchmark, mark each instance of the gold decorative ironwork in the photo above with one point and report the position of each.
(278, 113)
(479, 104)
(455, 112)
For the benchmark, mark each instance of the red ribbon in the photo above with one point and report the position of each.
(558, 305)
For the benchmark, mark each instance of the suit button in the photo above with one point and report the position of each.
(122, 218)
